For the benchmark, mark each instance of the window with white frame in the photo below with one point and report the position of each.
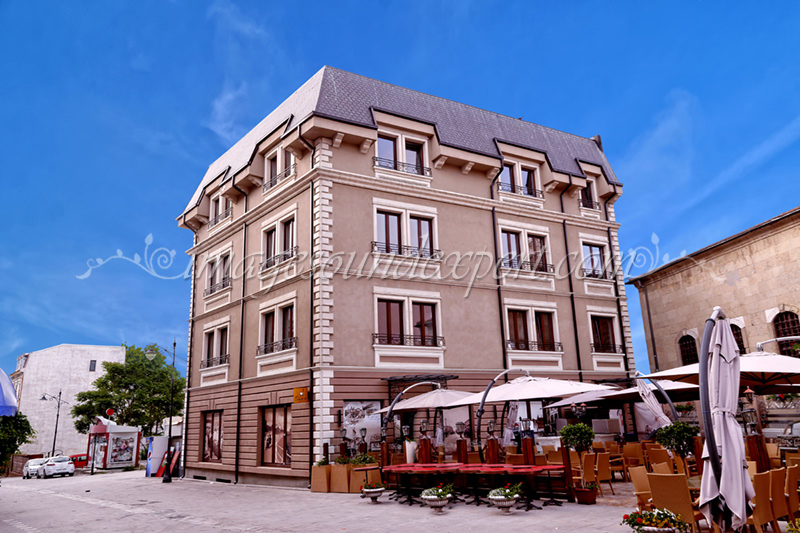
(279, 164)
(219, 210)
(278, 242)
(218, 274)
(532, 329)
(588, 199)
(525, 250)
(277, 328)
(407, 321)
(519, 178)
(402, 152)
(604, 336)
(594, 261)
(405, 230)
(215, 346)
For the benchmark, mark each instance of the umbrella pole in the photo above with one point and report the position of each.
(388, 416)
(667, 398)
(705, 408)
(480, 411)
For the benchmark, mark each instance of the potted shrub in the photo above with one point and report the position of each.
(587, 495)
(359, 479)
(340, 474)
(437, 497)
(505, 497)
(678, 438)
(373, 491)
(321, 476)
(656, 521)
(577, 436)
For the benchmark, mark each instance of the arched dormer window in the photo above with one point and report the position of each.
(787, 324)
(688, 348)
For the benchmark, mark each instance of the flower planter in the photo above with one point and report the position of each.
(372, 494)
(340, 478)
(586, 496)
(357, 480)
(503, 503)
(649, 529)
(321, 478)
(435, 503)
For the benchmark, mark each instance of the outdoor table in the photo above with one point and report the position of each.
(400, 471)
(548, 469)
(482, 469)
(409, 469)
(528, 496)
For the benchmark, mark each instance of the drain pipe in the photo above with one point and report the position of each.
(616, 289)
(503, 332)
(241, 347)
(188, 368)
(571, 287)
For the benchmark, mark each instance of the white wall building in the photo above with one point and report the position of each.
(69, 368)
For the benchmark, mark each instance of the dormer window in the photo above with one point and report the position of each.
(401, 153)
(518, 179)
(219, 211)
(587, 197)
(507, 179)
(278, 165)
(414, 160)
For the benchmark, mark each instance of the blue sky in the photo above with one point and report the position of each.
(111, 112)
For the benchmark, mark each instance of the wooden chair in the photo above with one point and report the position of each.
(540, 459)
(586, 474)
(547, 448)
(515, 459)
(792, 482)
(752, 469)
(762, 510)
(554, 457)
(792, 459)
(612, 447)
(777, 496)
(603, 471)
(598, 447)
(632, 455)
(659, 455)
(671, 491)
(774, 454)
(617, 464)
(662, 468)
(680, 466)
(641, 487)
(574, 458)
(473, 458)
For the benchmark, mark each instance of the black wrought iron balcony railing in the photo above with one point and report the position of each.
(534, 346)
(588, 204)
(278, 258)
(607, 348)
(423, 252)
(216, 287)
(596, 273)
(279, 177)
(277, 346)
(215, 361)
(406, 340)
(382, 162)
(521, 189)
(219, 218)
(532, 266)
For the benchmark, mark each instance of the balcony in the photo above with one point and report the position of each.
(408, 168)
(594, 273)
(588, 204)
(607, 348)
(531, 266)
(534, 346)
(215, 361)
(277, 178)
(279, 258)
(406, 251)
(277, 346)
(522, 190)
(219, 218)
(216, 287)
(406, 340)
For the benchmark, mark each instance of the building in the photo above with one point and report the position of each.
(324, 247)
(752, 275)
(66, 368)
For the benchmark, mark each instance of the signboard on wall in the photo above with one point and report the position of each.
(300, 394)
(358, 415)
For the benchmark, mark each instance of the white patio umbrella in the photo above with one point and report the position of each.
(584, 397)
(530, 388)
(732, 489)
(434, 399)
(8, 396)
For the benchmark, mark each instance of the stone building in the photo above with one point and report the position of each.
(752, 275)
(66, 368)
(325, 242)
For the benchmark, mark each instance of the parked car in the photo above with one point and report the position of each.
(79, 460)
(32, 467)
(57, 466)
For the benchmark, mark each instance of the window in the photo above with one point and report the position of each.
(545, 333)
(688, 348)
(218, 275)
(212, 436)
(420, 236)
(288, 161)
(424, 321)
(209, 348)
(737, 334)
(92, 365)
(517, 329)
(507, 179)
(593, 261)
(220, 209)
(603, 335)
(511, 250)
(216, 347)
(269, 328)
(277, 330)
(538, 255)
(414, 160)
(269, 245)
(388, 232)
(587, 197)
(387, 151)
(787, 325)
(529, 182)
(223, 341)
(288, 237)
(390, 322)
(287, 322)
(276, 435)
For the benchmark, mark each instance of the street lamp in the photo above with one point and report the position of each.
(150, 354)
(47, 397)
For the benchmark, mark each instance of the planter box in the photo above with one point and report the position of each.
(586, 496)
(321, 478)
(357, 480)
(374, 476)
(340, 478)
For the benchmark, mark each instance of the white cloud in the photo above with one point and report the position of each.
(232, 19)
(224, 114)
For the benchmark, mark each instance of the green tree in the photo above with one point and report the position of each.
(138, 391)
(14, 432)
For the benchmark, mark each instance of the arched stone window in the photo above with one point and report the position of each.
(787, 324)
(737, 334)
(688, 348)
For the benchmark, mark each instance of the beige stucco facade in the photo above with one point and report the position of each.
(753, 276)
(336, 277)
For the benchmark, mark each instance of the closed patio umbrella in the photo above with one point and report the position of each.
(652, 404)
(8, 396)
(724, 494)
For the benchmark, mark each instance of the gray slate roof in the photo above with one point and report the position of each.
(351, 98)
